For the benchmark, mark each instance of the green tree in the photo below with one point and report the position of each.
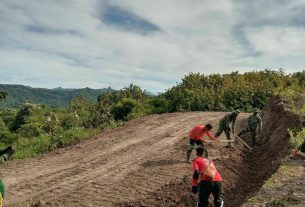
(122, 109)
(22, 115)
(3, 95)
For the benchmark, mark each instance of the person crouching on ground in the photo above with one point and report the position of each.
(209, 179)
(196, 138)
(6, 153)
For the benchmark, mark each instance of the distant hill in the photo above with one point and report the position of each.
(57, 97)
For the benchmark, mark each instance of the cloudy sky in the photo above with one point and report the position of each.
(100, 43)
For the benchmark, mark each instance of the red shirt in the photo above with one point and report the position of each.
(200, 164)
(198, 132)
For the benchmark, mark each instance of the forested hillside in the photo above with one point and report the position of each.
(58, 97)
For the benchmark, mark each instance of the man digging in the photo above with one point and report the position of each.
(196, 138)
(224, 125)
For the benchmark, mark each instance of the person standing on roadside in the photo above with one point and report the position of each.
(196, 138)
(210, 181)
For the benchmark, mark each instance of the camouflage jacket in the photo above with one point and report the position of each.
(228, 118)
(254, 122)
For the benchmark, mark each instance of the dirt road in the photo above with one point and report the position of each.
(118, 165)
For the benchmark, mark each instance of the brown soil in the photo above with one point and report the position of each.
(286, 188)
(142, 164)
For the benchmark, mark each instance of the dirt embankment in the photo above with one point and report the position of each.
(244, 172)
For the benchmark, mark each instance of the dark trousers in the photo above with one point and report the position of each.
(193, 145)
(205, 189)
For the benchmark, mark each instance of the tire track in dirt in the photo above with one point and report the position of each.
(107, 169)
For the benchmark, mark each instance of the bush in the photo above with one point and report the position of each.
(7, 137)
(30, 130)
(69, 121)
(122, 109)
(69, 137)
(31, 147)
(296, 137)
(160, 105)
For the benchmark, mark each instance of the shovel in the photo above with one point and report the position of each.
(242, 141)
(236, 139)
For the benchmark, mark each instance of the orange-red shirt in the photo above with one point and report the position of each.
(200, 164)
(198, 132)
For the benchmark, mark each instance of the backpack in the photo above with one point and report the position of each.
(209, 171)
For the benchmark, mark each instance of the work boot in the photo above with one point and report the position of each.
(230, 145)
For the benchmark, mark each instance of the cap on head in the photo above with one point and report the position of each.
(236, 112)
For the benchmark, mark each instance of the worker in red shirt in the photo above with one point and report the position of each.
(209, 179)
(196, 138)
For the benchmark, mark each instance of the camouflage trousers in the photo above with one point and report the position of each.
(253, 135)
(223, 126)
(3, 158)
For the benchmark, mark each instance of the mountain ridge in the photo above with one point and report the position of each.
(56, 97)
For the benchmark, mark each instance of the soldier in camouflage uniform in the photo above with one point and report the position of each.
(224, 125)
(6, 154)
(254, 123)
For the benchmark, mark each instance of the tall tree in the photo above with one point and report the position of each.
(3, 95)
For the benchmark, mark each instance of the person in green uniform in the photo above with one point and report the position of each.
(224, 125)
(1, 193)
(254, 123)
(6, 153)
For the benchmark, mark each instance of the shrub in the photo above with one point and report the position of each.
(69, 121)
(31, 147)
(160, 105)
(68, 137)
(30, 130)
(122, 109)
(296, 137)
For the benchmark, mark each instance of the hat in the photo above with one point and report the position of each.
(236, 112)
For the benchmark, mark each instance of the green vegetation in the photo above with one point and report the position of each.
(297, 137)
(36, 128)
(227, 92)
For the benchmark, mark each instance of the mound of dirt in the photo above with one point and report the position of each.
(243, 172)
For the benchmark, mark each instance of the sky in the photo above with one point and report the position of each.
(153, 44)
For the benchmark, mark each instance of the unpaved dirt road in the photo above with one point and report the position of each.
(118, 165)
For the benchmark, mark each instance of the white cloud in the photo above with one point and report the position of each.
(66, 43)
(277, 41)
